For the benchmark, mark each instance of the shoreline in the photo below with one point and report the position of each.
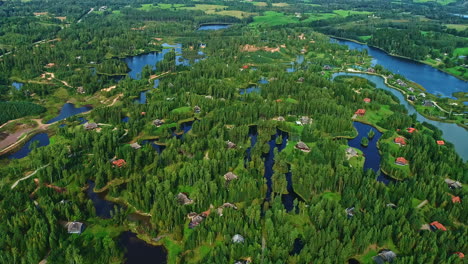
(397, 56)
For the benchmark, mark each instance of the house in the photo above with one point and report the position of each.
(302, 146)
(143, 113)
(401, 161)
(437, 226)
(385, 255)
(392, 205)
(158, 122)
(411, 129)
(119, 163)
(245, 67)
(423, 95)
(327, 67)
(440, 142)
(74, 227)
(90, 126)
(390, 76)
(350, 152)
(231, 145)
(230, 176)
(459, 254)
(281, 119)
(301, 80)
(183, 199)
(412, 98)
(453, 184)
(367, 100)
(411, 89)
(400, 141)
(456, 199)
(401, 83)
(238, 239)
(427, 103)
(80, 90)
(371, 70)
(197, 109)
(202, 46)
(50, 65)
(360, 112)
(305, 120)
(135, 145)
(349, 211)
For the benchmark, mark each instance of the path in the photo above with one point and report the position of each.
(154, 76)
(28, 176)
(91, 10)
(423, 203)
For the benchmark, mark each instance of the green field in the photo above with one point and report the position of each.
(345, 13)
(458, 27)
(461, 51)
(442, 2)
(273, 18)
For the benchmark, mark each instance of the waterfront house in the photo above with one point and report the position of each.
(401, 161)
(350, 152)
(135, 145)
(90, 126)
(437, 226)
(440, 142)
(231, 145)
(302, 146)
(412, 98)
(428, 103)
(367, 100)
(411, 89)
(74, 227)
(360, 112)
(370, 70)
(230, 176)
(384, 256)
(158, 122)
(456, 199)
(423, 95)
(453, 184)
(197, 109)
(119, 163)
(401, 83)
(400, 141)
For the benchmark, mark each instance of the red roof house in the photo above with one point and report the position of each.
(401, 161)
(360, 112)
(460, 255)
(456, 199)
(245, 67)
(440, 142)
(400, 141)
(411, 129)
(119, 163)
(437, 225)
(143, 113)
(367, 100)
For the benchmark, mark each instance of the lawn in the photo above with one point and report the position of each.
(345, 13)
(442, 2)
(273, 18)
(365, 38)
(461, 51)
(332, 196)
(458, 27)
(182, 110)
(319, 16)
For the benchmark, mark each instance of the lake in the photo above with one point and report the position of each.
(433, 80)
(213, 27)
(41, 138)
(68, 110)
(102, 206)
(451, 132)
(138, 251)
(17, 85)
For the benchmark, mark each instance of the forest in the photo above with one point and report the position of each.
(233, 89)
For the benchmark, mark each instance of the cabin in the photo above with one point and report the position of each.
(400, 141)
(423, 95)
(196, 109)
(119, 163)
(245, 67)
(158, 122)
(50, 65)
(412, 98)
(80, 90)
(202, 46)
(367, 100)
(305, 120)
(401, 83)
(401, 161)
(411, 89)
(370, 70)
(135, 145)
(351, 152)
(90, 126)
(327, 67)
(456, 199)
(143, 113)
(392, 205)
(428, 103)
(231, 145)
(360, 112)
(349, 212)
(453, 184)
(459, 254)
(302, 146)
(74, 227)
(440, 142)
(384, 255)
(281, 119)
(183, 199)
(301, 80)
(238, 239)
(411, 129)
(230, 176)
(390, 76)
(437, 226)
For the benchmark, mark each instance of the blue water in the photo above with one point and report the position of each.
(17, 85)
(43, 140)
(263, 80)
(138, 251)
(141, 99)
(125, 119)
(433, 80)
(102, 206)
(68, 110)
(213, 27)
(460, 15)
(451, 132)
(251, 89)
(159, 148)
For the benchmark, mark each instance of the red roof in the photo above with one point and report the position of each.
(460, 255)
(279, 100)
(411, 129)
(206, 213)
(143, 113)
(367, 100)
(245, 67)
(119, 162)
(440, 142)
(456, 199)
(400, 140)
(360, 112)
(401, 160)
(438, 225)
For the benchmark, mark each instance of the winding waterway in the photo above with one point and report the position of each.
(41, 138)
(433, 80)
(451, 132)
(68, 110)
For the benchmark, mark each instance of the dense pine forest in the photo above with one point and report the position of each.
(233, 145)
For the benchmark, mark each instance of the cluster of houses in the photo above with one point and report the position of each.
(196, 219)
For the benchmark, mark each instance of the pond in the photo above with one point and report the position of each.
(158, 147)
(102, 206)
(42, 140)
(138, 251)
(17, 85)
(213, 27)
(250, 89)
(451, 132)
(68, 110)
(433, 80)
